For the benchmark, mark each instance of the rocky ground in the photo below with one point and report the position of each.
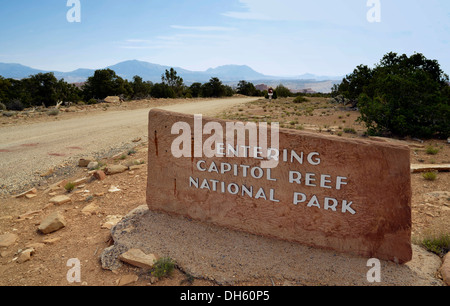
(47, 226)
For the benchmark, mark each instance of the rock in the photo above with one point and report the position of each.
(81, 181)
(431, 167)
(84, 162)
(127, 279)
(48, 173)
(30, 196)
(7, 240)
(111, 221)
(136, 167)
(113, 189)
(92, 165)
(445, 269)
(138, 258)
(56, 186)
(29, 192)
(90, 209)
(112, 99)
(61, 199)
(166, 194)
(115, 169)
(52, 223)
(99, 175)
(52, 240)
(25, 255)
(28, 215)
(35, 245)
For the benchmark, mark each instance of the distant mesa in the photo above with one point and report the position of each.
(228, 74)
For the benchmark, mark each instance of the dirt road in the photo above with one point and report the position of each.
(28, 151)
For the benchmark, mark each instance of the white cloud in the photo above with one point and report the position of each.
(332, 11)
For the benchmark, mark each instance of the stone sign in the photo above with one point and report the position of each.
(348, 195)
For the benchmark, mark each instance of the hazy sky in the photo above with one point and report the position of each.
(282, 37)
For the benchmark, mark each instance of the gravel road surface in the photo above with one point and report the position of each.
(29, 151)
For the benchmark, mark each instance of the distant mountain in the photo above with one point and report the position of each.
(230, 74)
(17, 71)
(309, 76)
(147, 71)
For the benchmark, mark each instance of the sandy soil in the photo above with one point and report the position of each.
(85, 239)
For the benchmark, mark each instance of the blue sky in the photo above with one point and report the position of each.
(283, 37)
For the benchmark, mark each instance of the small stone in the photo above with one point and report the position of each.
(56, 187)
(31, 191)
(112, 99)
(35, 245)
(116, 169)
(7, 240)
(29, 214)
(48, 173)
(111, 221)
(127, 279)
(25, 255)
(81, 181)
(90, 209)
(51, 240)
(61, 199)
(136, 167)
(30, 196)
(445, 269)
(138, 258)
(52, 223)
(113, 189)
(92, 165)
(84, 162)
(99, 175)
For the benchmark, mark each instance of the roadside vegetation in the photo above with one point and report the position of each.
(45, 90)
(402, 96)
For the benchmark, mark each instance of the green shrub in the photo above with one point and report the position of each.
(401, 96)
(92, 101)
(432, 150)
(15, 105)
(69, 187)
(2, 106)
(300, 99)
(349, 131)
(163, 267)
(430, 176)
(439, 244)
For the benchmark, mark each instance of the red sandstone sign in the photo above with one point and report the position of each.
(352, 196)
